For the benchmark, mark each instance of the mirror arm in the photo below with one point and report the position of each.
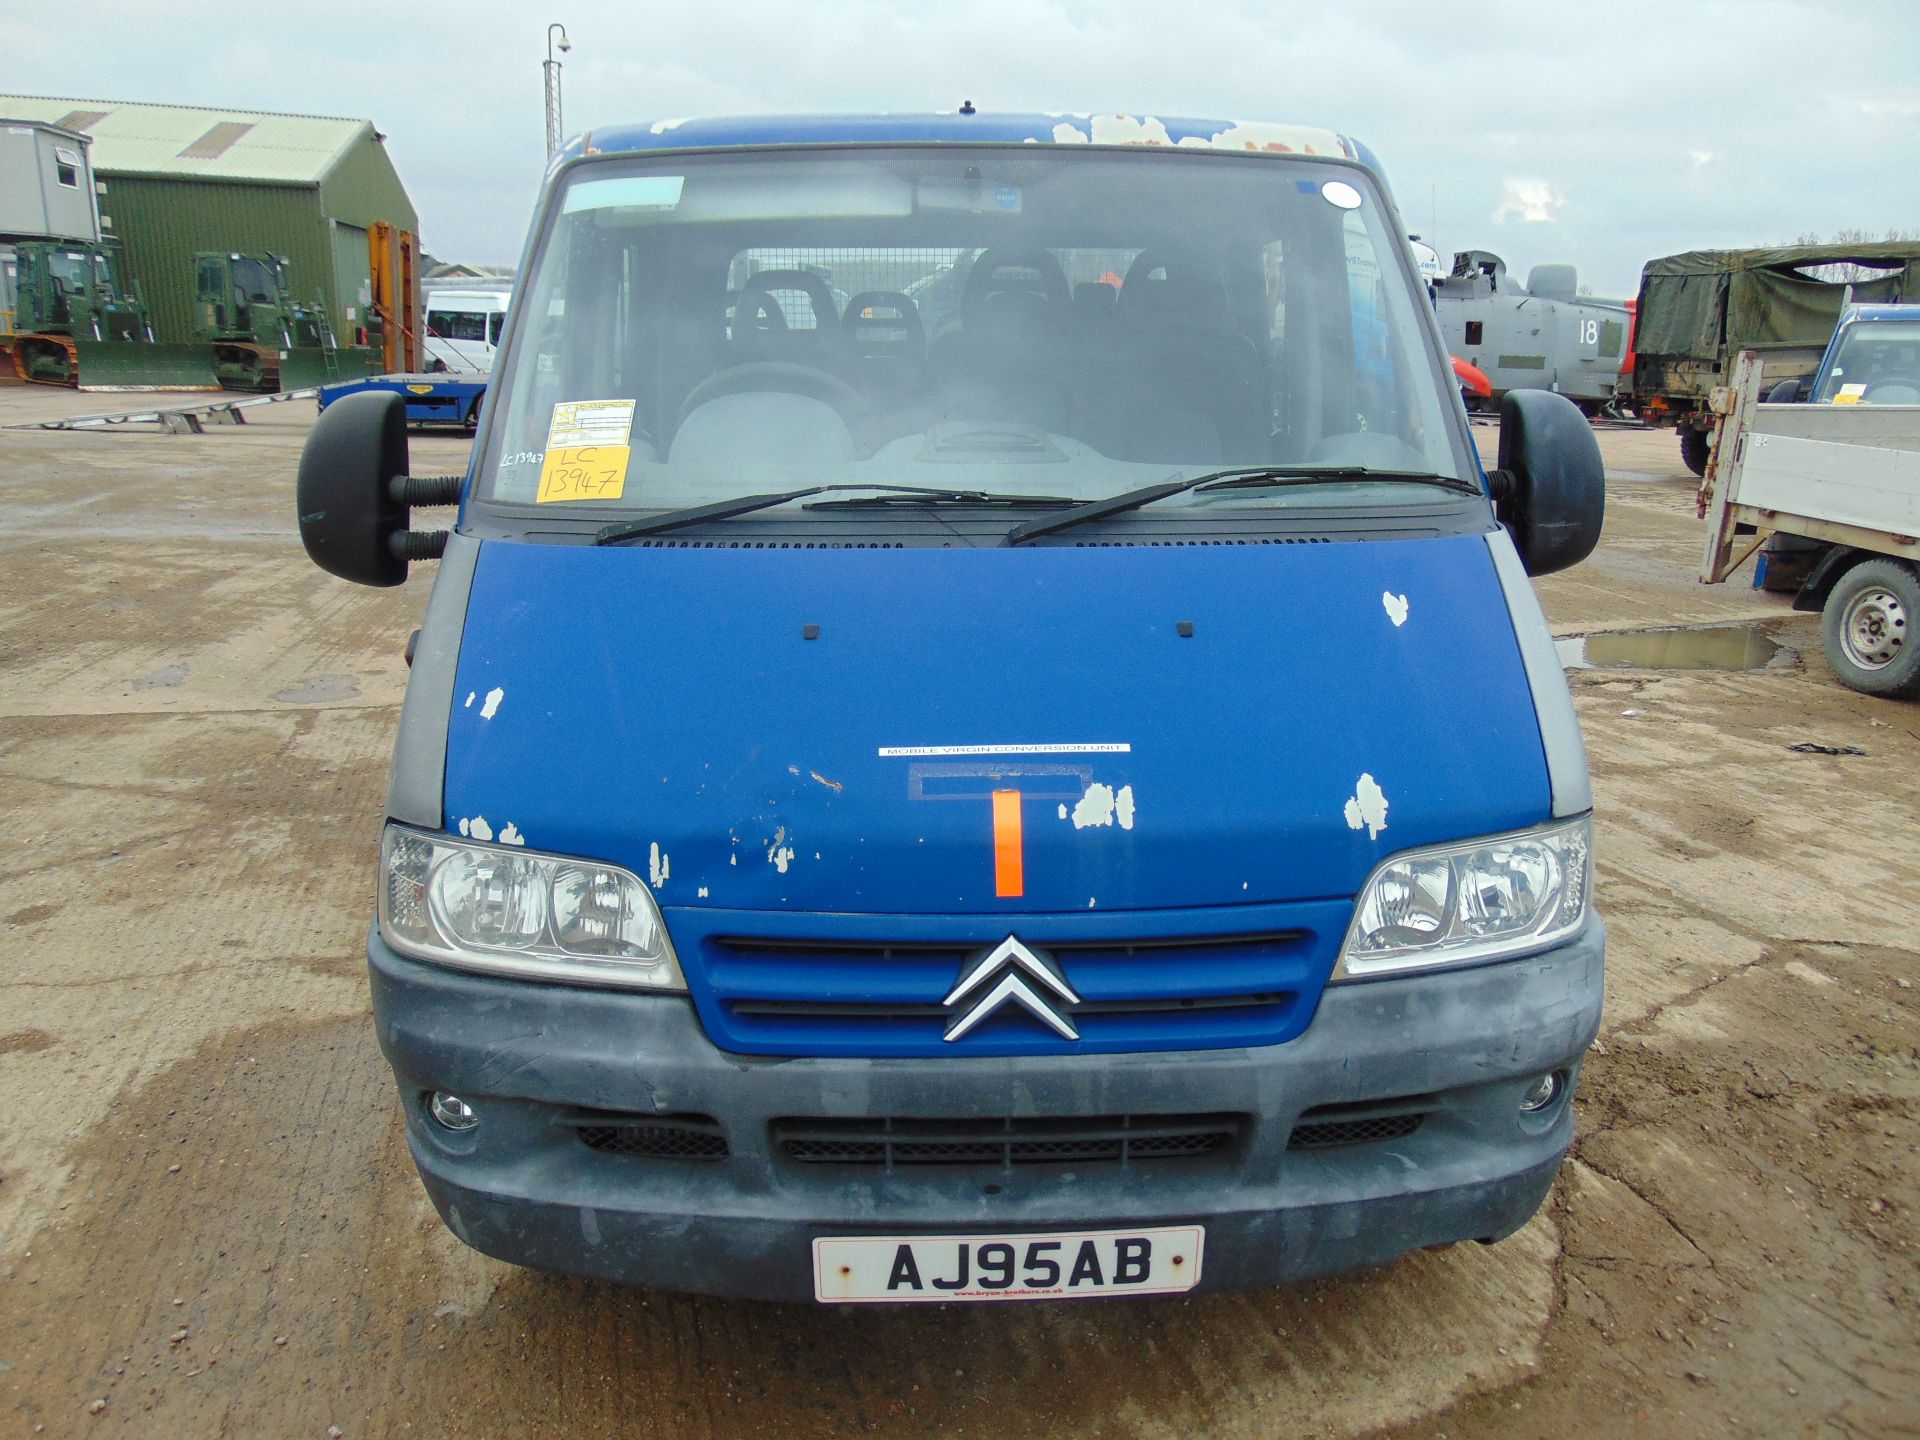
(410, 545)
(413, 490)
(1502, 485)
(407, 491)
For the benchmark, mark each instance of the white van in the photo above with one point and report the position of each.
(463, 326)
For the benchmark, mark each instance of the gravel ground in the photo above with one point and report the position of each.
(209, 1225)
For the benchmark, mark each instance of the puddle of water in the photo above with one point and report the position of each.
(319, 690)
(163, 679)
(1706, 647)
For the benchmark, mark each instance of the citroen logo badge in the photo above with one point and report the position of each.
(1010, 974)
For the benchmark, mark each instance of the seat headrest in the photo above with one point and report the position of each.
(760, 314)
(883, 322)
(1096, 297)
(1174, 287)
(1027, 272)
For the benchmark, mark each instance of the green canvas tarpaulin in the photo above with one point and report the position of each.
(1782, 307)
(1704, 303)
(1681, 314)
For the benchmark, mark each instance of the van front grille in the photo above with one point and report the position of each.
(651, 1137)
(890, 1142)
(774, 994)
(1365, 1122)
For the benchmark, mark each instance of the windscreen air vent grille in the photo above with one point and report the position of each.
(670, 543)
(1224, 540)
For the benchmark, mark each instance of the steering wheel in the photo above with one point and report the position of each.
(1895, 390)
(782, 377)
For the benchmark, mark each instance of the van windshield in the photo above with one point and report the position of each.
(698, 327)
(1878, 363)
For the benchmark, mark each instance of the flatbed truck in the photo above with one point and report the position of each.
(1846, 476)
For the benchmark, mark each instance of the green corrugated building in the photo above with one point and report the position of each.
(176, 179)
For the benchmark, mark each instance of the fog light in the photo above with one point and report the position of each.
(1535, 1098)
(452, 1112)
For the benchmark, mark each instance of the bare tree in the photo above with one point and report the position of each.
(1848, 272)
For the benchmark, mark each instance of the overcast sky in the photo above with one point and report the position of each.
(1546, 131)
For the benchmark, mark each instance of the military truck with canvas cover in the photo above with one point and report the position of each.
(1699, 310)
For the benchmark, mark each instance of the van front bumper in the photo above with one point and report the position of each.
(532, 1060)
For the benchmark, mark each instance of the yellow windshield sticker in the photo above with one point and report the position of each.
(582, 472)
(1850, 394)
(589, 422)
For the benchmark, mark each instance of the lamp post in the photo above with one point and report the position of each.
(552, 71)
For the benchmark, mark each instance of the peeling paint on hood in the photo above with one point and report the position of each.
(1244, 744)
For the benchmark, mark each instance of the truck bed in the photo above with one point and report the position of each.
(1846, 474)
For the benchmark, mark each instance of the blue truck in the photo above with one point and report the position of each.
(437, 398)
(981, 731)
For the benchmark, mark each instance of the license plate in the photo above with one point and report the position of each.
(1080, 1264)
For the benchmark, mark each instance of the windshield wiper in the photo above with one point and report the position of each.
(1246, 477)
(947, 497)
(747, 504)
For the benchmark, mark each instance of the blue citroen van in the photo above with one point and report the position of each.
(981, 732)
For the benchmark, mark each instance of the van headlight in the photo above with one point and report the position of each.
(1475, 901)
(518, 912)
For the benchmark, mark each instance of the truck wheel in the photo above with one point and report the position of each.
(1694, 448)
(1868, 628)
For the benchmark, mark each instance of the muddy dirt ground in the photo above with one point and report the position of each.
(209, 1225)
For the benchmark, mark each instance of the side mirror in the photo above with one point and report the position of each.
(353, 494)
(1550, 490)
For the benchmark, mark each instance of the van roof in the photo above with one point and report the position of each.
(1869, 313)
(455, 299)
(973, 127)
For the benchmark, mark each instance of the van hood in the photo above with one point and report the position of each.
(963, 731)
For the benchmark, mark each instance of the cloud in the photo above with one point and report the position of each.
(467, 128)
(1702, 158)
(1890, 105)
(1534, 202)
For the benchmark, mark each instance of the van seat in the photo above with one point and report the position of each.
(787, 315)
(1011, 357)
(886, 357)
(1179, 384)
